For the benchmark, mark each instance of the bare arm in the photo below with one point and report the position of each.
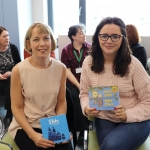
(61, 104)
(17, 105)
(72, 78)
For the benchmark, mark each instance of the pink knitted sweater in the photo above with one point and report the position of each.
(134, 89)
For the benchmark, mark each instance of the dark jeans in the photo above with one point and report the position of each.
(5, 90)
(82, 122)
(25, 143)
(121, 136)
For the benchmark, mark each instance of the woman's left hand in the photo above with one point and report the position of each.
(120, 113)
(7, 74)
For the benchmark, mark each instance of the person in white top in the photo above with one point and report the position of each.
(38, 88)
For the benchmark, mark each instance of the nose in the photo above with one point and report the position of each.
(109, 40)
(42, 42)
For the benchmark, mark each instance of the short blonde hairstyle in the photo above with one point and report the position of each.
(42, 28)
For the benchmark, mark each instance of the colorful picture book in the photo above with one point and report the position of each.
(104, 98)
(55, 128)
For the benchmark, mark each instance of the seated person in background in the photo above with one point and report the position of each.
(9, 57)
(72, 56)
(137, 50)
(110, 63)
(40, 84)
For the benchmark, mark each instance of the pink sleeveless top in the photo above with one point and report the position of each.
(40, 88)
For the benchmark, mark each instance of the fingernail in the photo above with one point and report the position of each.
(94, 108)
(115, 108)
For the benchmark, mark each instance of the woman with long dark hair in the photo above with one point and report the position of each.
(111, 64)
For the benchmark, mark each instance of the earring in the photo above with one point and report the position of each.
(30, 50)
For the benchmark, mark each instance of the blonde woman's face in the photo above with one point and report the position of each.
(40, 43)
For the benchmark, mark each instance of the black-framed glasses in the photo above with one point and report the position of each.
(113, 37)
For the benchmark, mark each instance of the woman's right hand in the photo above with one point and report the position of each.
(91, 112)
(40, 141)
(2, 78)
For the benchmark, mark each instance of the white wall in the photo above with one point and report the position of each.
(40, 11)
(145, 41)
(25, 19)
(9, 19)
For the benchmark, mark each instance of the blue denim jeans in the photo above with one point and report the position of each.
(121, 136)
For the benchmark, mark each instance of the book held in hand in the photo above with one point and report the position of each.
(55, 128)
(104, 98)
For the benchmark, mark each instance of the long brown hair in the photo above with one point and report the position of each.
(123, 57)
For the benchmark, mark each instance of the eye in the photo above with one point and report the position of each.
(46, 38)
(104, 36)
(115, 36)
(35, 40)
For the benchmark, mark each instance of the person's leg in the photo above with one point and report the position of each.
(126, 136)
(2, 87)
(103, 128)
(66, 146)
(25, 143)
(82, 122)
(8, 117)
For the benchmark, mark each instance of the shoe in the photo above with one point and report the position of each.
(80, 142)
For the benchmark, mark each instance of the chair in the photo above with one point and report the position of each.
(5, 146)
(91, 142)
(7, 139)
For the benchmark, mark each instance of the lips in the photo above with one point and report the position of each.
(109, 47)
(42, 50)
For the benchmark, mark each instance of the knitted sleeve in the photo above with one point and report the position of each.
(141, 83)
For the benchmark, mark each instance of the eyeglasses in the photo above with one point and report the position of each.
(114, 37)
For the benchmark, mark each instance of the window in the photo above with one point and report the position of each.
(135, 12)
(66, 13)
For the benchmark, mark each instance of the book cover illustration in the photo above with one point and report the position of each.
(104, 98)
(55, 128)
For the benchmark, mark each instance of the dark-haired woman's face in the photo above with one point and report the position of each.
(111, 45)
(80, 36)
(4, 38)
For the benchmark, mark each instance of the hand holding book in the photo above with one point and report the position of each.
(55, 128)
(120, 113)
(104, 98)
(91, 112)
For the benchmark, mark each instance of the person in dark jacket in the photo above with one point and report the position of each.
(137, 49)
(9, 57)
(72, 56)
